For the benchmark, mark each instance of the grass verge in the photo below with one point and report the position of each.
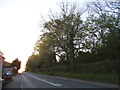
(104, 78)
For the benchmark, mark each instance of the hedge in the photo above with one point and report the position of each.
(105, 67)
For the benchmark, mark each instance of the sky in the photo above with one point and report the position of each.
(20, 26)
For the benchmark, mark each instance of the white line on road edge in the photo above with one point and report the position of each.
(58, 85)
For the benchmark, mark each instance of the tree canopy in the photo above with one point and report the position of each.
(69, 40)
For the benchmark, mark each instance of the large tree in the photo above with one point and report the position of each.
(64, 30)
(75, 40)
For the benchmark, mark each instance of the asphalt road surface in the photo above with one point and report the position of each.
(32, 80)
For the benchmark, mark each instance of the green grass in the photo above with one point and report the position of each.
(104, 78)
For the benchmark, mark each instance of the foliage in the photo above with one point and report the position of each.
(97, 77)
(16, 66)
(71, 44)
(103, 67)
(16, 63)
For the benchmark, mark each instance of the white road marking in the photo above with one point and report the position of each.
(58, 85)
(21, 82)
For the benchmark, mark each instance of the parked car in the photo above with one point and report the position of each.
(9, 75)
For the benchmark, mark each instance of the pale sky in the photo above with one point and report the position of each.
(20, 26)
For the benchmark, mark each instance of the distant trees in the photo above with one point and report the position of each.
(16, 63)
(31, 63)
(74, 40)
(16, 66)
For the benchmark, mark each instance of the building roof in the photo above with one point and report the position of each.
(1, 57)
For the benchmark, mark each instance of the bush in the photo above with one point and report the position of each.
(105, 67)
(98, 67)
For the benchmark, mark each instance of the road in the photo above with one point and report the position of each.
(33, 80)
